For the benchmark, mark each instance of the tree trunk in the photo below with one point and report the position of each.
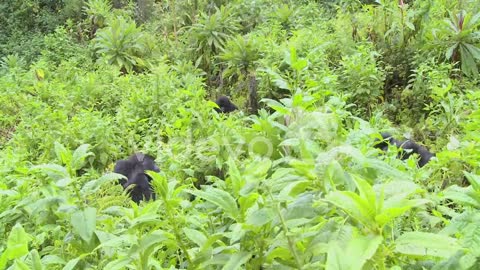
(117, 3)
(252, 93)
(144, 10)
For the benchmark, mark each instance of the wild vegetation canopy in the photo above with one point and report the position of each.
(291, 180)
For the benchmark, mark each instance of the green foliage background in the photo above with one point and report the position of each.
(291, 181)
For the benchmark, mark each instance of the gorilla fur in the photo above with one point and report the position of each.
(407, 147)
(225, 105)
(134, 169)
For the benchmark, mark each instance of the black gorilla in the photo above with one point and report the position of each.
(407, 147)
(225, 105)
(134, 169)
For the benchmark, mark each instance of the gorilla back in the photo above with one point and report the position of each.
(138, 182)
(225, 104)
(407, 148)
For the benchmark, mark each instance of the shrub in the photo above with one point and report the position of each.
(361, 79)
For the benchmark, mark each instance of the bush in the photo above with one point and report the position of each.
(61, 46)
(122, 44)
(361, 79)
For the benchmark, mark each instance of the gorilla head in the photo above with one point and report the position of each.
(407, 148)
(225, 105)
(134, 169)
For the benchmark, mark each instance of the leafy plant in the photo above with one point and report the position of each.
(371, 212)
(296, 185)
(10, 63)
(97, 11)
(61, 46)
(209, 35)
(17, 245)
(121, 44)
(284, 15)
(463, 36)
(240, 56)
(361, 78)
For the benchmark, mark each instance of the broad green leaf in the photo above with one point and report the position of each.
(469, 66)
(463, 195)
(335, 257)
(248, 201)
(154, 238)
(293, 189)
(19, 265)
(300, 65)
(279, 252)
(3, 260)
(389, 214)
(259, 169)
(118, 264)
(79, 156)
(71, 264)
(386, 169)
(55, 172)
(35, 261)
(236, 260)
(62, 153)
(237, 233)
(410, 25)
(195, 236)
(212, 239)
(297, 222)
(260, 217)
(63, 182)
(474, 180)
(397, 190)
(94, 185)
(235, 176)
(277, 79)
(291, 55)
(8, 193)
(160, 184)
(354, 206)
(123, 240)
(366, 192)
(364, 248)
(335, 174)
(277, 106)
(40, 74)
(145, 219)
(83, 223)
(358, 250)
(17, 242)
(220, 198)
(426, 244)
(449, 52)
(282, 83)
(471, 21)
(52, 259)
(473, 50)
(212, 104)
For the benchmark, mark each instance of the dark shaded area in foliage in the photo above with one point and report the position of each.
(24, 24)
(134, 169)
(225, 104)
(407, 147)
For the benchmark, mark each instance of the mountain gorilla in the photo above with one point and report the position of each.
(134, 169)
(407, 147)
(225, 105)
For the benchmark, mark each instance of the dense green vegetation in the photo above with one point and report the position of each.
(292, 181)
